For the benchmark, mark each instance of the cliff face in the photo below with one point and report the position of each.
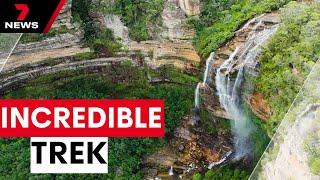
(114, 23)
(174, 22)
(172, 44)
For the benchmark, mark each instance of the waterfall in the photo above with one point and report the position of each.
(250, 22)
(229, 89)
(223, 81)
(229, 97)
(206, 80)
(207, 72)
(197, 97)
(171, 173)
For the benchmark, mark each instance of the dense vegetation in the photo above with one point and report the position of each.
(124, 81)
(138, 15)
(220, 19)
(223, 173)
(288, 58)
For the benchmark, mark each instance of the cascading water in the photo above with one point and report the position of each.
(209, 63)
(250, 22)
(229, 80)
(171, 173)
(206, 80)
(229, 90)
(197, 96)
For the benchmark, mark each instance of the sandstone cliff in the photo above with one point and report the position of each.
(172, 45)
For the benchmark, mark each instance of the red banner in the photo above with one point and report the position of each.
(82, 118)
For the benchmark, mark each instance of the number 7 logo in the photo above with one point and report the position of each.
(24, 8)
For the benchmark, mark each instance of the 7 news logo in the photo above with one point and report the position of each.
(20, 23)
(28, 16)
